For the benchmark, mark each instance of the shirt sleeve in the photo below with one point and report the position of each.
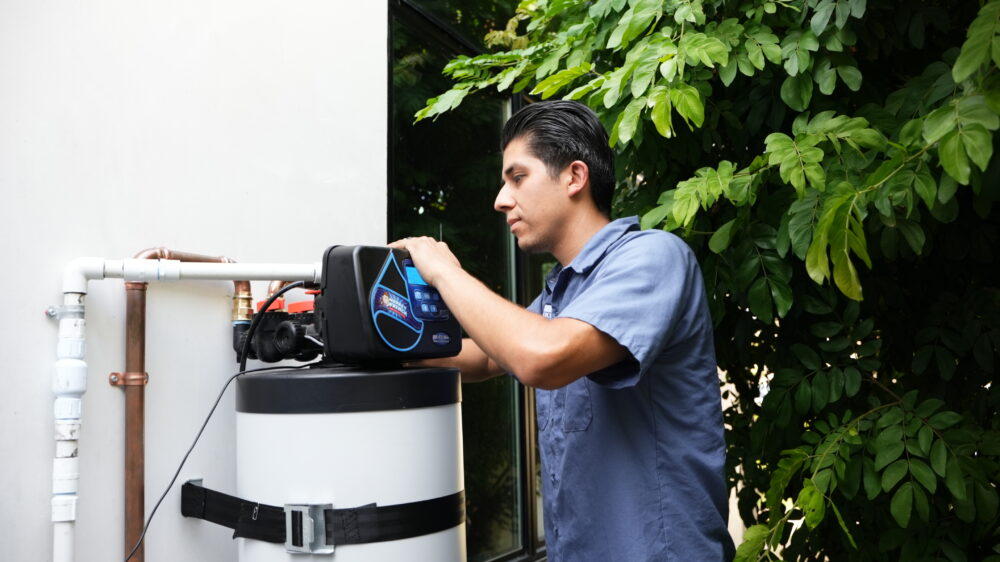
(645, 293)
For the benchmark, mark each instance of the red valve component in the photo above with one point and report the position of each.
(301, 306)
(278, 304)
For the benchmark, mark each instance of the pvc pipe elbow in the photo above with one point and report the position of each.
(79, 271)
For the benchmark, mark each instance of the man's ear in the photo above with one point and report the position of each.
(578, 176)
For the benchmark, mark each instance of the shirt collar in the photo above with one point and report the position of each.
(597, 246)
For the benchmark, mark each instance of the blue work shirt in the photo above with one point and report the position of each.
(633, 455)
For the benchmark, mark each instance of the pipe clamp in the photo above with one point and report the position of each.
(128, 379)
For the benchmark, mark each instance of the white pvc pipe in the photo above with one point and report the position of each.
(69, 381)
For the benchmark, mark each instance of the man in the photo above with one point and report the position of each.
(618, 345)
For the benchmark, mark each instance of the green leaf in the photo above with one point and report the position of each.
(924, 439)
(795, 49)
(630, 120)
(913, 234)
(944, 420)
(921, 504)
(939, 122)
(760, 301)
(928, 407)
(509, 76)
(551, 85)
(687, 101)
(836, 384)
(822, 16)
(976, 49)
(986, 502)
(803, 397)
(685, 204)
(946, 189)
(585, 89)
(781, 292)
(972, 110)
(846, 235)
(805, 354)
(891, 418)
(858, 7)
(613, 87)
(945, 362)
(850, 76)
(871, 480)
(443, 103)
(921, 359)
(752, 545)
(720, 240)
(888, 454)
(654, 216)
(551, 62)
(953, 157)
(698, 47)
(796, 91)
(670, 67)
(755, 54)
(803, 215)
(902, 504)
(660, 98)
(826, 329)
(820, 391)
(978, 145)
(644, 73)
(893, 474)
(825, 76)
(823, 477)
(923, 474)
(727, 73)
(812, 504)
(926, 188)
(852, 381)
(955, 479)
(617, 37)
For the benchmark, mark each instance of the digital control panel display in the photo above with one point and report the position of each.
(426, 300)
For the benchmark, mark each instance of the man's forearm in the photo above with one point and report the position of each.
(539, 352)
(475, 365)
(501, 330)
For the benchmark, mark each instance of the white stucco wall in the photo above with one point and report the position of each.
(251, 129)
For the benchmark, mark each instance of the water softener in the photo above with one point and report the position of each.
(356, 458)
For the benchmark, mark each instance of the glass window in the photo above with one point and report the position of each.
(443, 177)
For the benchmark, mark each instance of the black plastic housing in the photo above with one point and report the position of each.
(369, 309)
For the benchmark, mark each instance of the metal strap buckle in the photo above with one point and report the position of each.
(305, 529)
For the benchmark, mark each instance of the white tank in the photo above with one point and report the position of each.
(351, 437)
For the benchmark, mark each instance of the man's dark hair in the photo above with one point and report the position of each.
(559, 132)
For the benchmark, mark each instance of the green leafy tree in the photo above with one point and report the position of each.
(831, 162)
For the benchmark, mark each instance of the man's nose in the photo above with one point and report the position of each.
(504, 202)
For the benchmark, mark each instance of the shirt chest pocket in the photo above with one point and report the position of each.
(576, 411)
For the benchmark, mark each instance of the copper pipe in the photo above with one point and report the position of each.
(161, 253)
(135, 403)
(135, 396)
(276, 286)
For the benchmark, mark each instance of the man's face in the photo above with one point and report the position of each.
(533, 201)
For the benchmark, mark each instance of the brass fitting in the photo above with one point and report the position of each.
(242, 306)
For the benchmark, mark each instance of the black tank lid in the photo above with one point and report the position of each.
(340, 389)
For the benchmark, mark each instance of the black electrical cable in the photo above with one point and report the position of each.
(243, 363)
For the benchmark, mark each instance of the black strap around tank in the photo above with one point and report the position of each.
(356, 525)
